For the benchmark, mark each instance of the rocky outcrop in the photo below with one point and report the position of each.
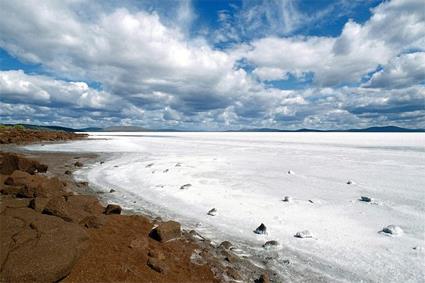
(15, 135)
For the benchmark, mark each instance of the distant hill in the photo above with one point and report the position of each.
(39, 127)
(392, 129)
(124, 129)
(387, 129)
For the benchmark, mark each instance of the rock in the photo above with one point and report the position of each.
(349, 182)
(233, 273)
(225, 245)
(93, 221)
(212, 212)
(287, 199)
(290, 172)
(67, 172)
(112, 191)
(138, 244)
(58, 207)
(12, 162)
(101, 162)
(262, 229)
(178, 164)
(392, 230)
(310, 201)
(156, 254)
(112, 209)
(149, 165)
(228, 256)
(46, 248)
(303, 234)
(78, 164)
(186, 186)
(165, 171)
(366, 199)
(11, 202)
(270, 244)
(264, 278)
(166, 231)
(156, 265)
(38, 203)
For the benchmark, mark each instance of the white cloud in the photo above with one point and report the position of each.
(402, 71)
(394, 27)
(41, 90)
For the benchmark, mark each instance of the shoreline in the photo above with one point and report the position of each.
(217, 263)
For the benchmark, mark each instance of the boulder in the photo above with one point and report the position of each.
(93, 221)
(44, 248)
(212, 212)
(366, 199)
(78, 164)
(303, 234)
(186, 186)
(264, 278)
(112, 209)
(156, 265)
(270, 244)
(262, 229)
(38, 203)
(392, 230)
(112, 191)
(225, 245)
(67, 172)
(58, 207)
(166, 231)
(12, 162)
(287, 199)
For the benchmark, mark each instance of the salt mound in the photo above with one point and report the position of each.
(392, 230)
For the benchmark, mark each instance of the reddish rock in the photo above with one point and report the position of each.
(38, 204)
(156, 265)
(12, 162)
(93, 221)
(44, 249)
(58, 207)
(264, 278)
(166, 231)
(112, 209)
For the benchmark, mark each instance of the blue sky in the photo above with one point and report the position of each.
(213, 65)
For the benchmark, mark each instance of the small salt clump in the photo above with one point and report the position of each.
(392, 230)
(303, 234)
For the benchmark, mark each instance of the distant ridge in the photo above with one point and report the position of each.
(386, 129)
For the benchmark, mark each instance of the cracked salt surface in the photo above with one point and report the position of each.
(244, 176)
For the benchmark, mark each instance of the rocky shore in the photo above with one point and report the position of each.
(54, 229)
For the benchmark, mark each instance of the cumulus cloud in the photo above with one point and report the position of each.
(394, 27)
(402, 71)
(153, 73)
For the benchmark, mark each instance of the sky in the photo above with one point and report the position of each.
(213, 65)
